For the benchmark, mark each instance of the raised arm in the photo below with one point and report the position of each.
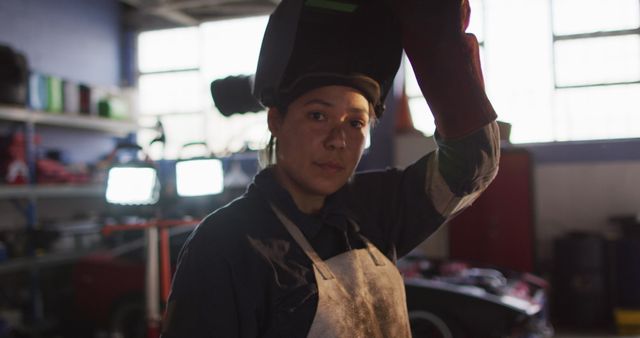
(414, 202)
(446, 62)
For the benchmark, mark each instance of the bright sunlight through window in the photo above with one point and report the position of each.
(177, 66)
(567, 70)
(556, 70)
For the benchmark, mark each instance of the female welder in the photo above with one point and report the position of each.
(309, 249)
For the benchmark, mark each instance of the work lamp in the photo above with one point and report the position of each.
(132, 184)
(199, 177)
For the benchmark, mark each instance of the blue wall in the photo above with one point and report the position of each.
(77, 40)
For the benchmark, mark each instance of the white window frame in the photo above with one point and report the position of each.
(587, 35)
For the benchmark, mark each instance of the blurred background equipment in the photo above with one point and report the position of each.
(233, 95)
(625, 269)
(455, 299)
(581, 281)
(14, 74)
(199, 175)
(131, 181)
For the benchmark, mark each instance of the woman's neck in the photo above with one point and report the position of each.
(306, 201)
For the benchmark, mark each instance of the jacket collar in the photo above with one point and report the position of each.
(334, 212)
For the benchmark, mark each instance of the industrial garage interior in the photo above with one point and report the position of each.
(551, 249)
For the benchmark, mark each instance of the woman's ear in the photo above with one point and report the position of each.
(274, 120)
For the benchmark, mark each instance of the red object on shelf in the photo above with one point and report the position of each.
(14, 159)
(498, 229)
(51, 171)
(17, 173)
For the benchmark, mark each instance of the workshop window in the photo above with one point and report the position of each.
(596, 42)
(558, 70)
(596, 50)
(233, 54)
(176, 67)
(170, 88)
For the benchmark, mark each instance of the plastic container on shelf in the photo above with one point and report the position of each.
(38, 93)
(71, 99)
(113, 106)
(85, 99)
(97, 94)
(55, 96)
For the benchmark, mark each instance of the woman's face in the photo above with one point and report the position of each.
(320, 140)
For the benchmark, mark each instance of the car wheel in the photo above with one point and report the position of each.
(426, 324)
(128, 321)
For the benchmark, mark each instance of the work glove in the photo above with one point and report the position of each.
(446, 62)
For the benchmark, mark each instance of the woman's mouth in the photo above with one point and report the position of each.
(330, 166)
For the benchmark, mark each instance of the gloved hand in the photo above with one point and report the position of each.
(446, 62)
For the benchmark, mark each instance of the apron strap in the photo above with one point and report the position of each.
(302, 241)
(379, 261)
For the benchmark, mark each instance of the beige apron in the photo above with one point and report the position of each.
(360, 292)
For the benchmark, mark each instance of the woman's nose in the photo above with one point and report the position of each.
(337, 139)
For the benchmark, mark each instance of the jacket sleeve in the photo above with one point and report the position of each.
(398, 209)
(446, 62)
(461, 169)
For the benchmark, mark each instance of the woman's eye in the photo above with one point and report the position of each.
(318, 116)
(357, 124)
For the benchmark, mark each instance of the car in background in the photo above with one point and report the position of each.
(453, 299)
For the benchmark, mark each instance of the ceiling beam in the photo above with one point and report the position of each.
(194, 12)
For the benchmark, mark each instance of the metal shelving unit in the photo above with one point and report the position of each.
(51, 191)
(32, 192)
(33, 118)
(67, 120)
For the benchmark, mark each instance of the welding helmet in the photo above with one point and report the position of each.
(312, 43)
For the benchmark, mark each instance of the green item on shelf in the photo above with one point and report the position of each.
(54, 89)
(113, 107)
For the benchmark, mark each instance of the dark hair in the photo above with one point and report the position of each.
(266, 156)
